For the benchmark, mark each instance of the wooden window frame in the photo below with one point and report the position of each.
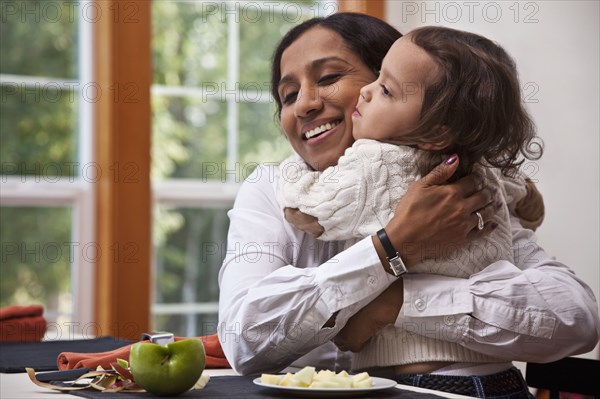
(122, 126)
(122, 64)
(375, 8)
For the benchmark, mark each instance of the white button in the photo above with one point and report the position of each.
(420, 304)
(449, 320)
(372, 280)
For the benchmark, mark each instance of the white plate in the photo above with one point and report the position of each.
(378, 384)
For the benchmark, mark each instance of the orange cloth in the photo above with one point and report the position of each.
(215, 358)
(22, 323)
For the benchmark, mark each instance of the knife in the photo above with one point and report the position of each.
(66, 375)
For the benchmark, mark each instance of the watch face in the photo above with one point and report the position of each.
(397, 266)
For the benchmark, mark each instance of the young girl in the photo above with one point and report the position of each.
(440, 91)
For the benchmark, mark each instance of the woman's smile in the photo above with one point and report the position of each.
(322, 130)
(320, 92)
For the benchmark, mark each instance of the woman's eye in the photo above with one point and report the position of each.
(289, 98)
(328, 79)
(385, 91)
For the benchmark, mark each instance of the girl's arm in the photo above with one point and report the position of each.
(530, 209)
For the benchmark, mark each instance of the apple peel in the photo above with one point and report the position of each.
(119, 379)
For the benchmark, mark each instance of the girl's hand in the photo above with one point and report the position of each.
(302, 221)
(531, 208)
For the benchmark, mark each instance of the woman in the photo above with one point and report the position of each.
(284, 295)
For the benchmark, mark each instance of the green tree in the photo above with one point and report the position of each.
(37, 137)
(190, 43)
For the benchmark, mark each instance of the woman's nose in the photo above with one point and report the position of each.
(307, 102)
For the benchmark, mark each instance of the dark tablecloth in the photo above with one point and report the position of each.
(231, 387)
(41, 356)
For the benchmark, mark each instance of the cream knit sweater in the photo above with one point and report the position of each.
(359, 195)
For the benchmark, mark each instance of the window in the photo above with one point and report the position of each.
(213, 121)
(75, 152)
(45, 202)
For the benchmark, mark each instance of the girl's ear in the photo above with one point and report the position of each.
(443, 140)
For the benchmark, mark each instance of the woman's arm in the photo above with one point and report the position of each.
(283, 293)
(270, 312)
(534, 311)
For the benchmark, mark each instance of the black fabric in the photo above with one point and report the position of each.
(509, 383)
(41, 356)
(232, 387)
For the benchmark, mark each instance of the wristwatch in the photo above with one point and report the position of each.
(392, 256)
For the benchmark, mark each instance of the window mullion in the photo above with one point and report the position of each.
(233, 44)
(83, 222)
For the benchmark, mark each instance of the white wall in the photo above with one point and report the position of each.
(556, 47)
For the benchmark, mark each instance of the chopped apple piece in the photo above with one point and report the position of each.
(305, 376)
(325, 384)
(360, 376)
(271, 379)
(309, 377)
(295, 382)
(285, 379)
(324, 375)
(368, 383)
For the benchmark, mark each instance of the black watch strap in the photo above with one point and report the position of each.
(393, 257)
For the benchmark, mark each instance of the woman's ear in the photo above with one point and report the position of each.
(442, 140)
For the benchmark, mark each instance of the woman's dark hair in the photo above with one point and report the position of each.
(367, 37)
(476, 97)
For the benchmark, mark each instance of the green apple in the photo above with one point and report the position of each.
(167, 370)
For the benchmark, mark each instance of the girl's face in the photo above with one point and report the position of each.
(319, 88)
(391, 106)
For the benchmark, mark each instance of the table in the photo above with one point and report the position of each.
(18, 386)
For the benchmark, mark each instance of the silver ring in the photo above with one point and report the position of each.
(480, 223)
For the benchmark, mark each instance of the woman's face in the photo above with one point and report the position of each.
(319, 88)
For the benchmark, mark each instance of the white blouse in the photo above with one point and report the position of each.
(279, 286)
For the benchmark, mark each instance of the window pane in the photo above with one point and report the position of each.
(38, 131)
(38, 38)
(260, 138)
(37, 251)
(189, 43)
(190, 325)
(260, 31)
(189, 245)
(189, 136)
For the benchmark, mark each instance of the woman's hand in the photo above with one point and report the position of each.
(380, 312)
(434, 216)
(431, 217)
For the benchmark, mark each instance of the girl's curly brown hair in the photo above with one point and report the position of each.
(476, 98)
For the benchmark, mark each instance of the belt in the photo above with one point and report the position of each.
(508, 382)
